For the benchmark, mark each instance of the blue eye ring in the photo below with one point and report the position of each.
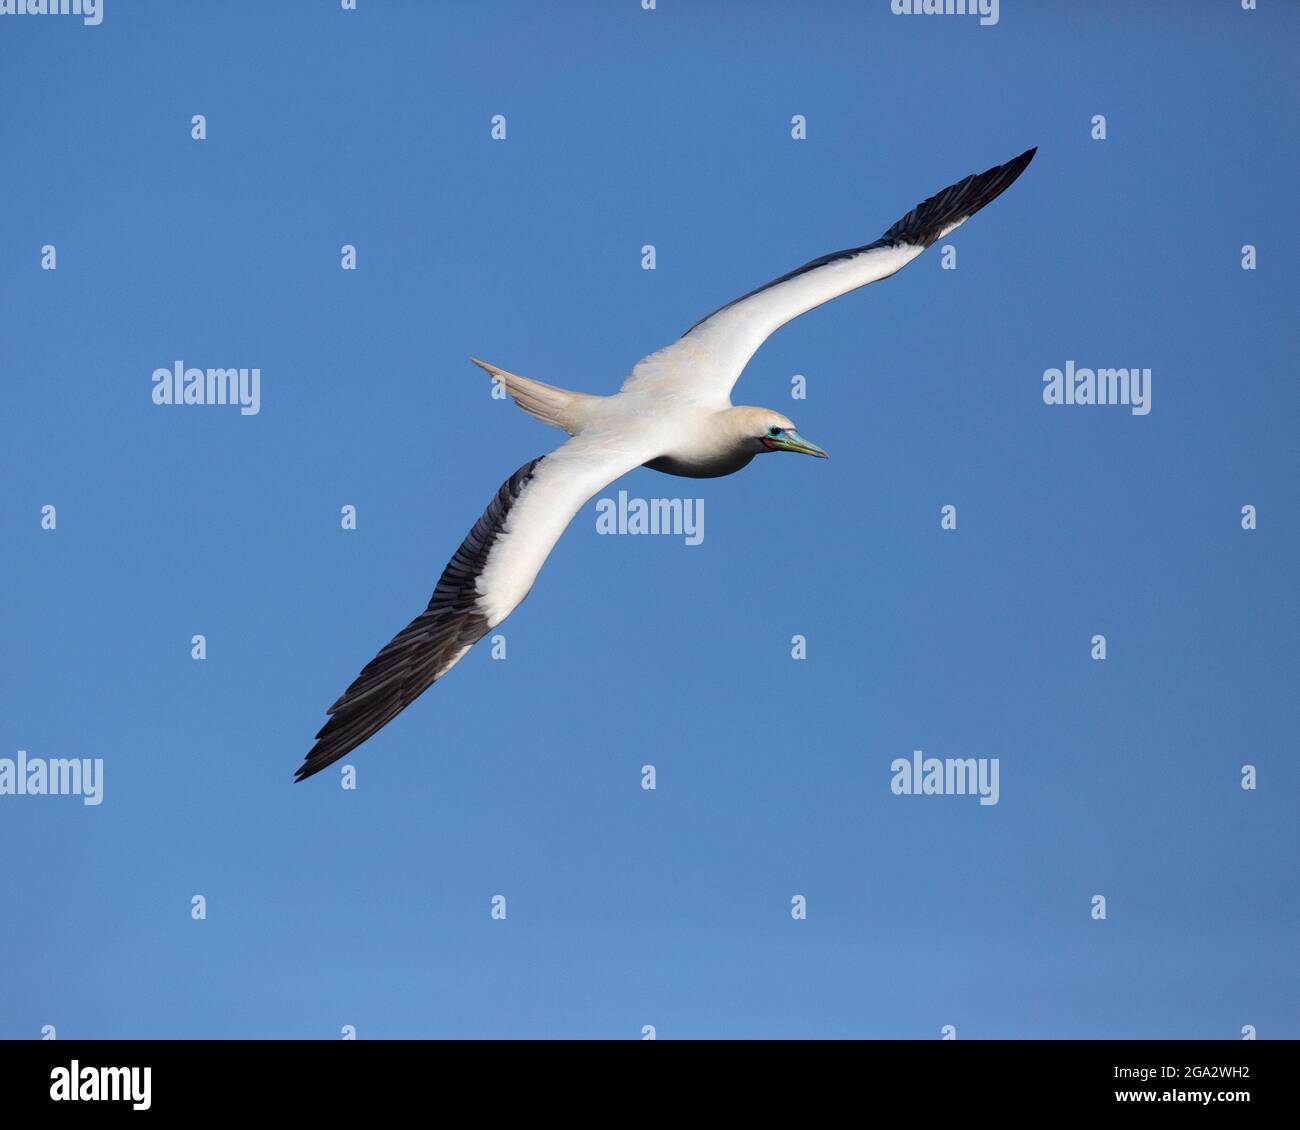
(774, 431)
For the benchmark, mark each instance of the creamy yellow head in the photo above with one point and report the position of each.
(764, 429)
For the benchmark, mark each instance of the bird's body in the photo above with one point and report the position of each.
(710, 443)
(673, 414)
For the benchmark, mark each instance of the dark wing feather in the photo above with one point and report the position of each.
(921, 226)
(426, 648)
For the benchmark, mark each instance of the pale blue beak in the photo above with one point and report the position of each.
(790, 440)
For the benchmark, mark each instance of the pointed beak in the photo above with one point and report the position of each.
(793, 441)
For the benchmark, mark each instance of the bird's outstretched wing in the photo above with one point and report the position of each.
(707, 360)
(482, 584)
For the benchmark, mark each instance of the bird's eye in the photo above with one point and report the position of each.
(774, 431)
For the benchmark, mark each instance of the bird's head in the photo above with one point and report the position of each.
(770, 431)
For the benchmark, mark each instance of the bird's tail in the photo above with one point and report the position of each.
(569, 411)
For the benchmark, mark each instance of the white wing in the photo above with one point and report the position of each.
(705, 363)
(489, 575)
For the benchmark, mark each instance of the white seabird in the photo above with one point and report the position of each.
(673, 414)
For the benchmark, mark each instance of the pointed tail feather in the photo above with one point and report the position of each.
(569, 411)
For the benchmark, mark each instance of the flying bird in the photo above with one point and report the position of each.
(673, 414)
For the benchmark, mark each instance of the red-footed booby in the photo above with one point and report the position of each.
(673, 414)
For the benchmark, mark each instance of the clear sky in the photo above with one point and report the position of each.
(522, 777)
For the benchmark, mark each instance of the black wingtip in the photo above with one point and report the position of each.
(1023, 159)
(943, 211)
(1011, 170)
(313, 763)
(317, 760)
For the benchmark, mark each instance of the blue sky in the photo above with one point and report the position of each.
(522, 777)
